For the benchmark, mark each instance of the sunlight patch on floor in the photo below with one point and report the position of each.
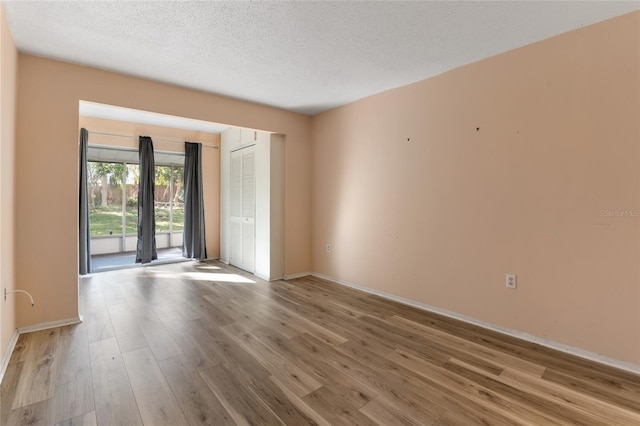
(203, 276)
(208, 267)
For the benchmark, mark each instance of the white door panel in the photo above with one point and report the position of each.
(243, 208)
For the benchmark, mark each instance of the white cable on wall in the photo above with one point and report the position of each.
(20, 291)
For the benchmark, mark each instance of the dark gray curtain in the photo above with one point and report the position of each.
(193, 245)
(84, 244)
(146, 249)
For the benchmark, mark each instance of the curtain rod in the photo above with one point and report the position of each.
(159, 140)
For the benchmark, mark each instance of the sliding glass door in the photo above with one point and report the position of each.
(113, 206)
(109, 220)
(169, 206)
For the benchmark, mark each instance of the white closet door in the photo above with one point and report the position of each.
(235, 238)
(235, 220)
(243, 207)
(249, 210)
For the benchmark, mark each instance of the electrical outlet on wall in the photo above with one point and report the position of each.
(328, 248)
(511, 281)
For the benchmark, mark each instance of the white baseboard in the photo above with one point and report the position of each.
(262, 277)
(266, 278)
(47, 325)
(7, 355)
(572, 350)
(298, 275)
(30, 329)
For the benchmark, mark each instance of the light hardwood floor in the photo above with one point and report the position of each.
(205, 343)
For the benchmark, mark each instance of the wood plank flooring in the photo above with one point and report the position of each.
(208, 344)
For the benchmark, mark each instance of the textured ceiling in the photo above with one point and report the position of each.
(300, 56)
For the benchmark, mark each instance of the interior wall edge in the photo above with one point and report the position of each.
(298, 275)
(8, 192)
(49, 324)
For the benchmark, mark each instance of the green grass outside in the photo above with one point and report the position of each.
(108, 220)
(162, 220)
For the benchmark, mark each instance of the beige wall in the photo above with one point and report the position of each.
(436, 190)
(8, 68)
(47, 160)
(210, 160)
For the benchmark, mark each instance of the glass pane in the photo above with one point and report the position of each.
(162, 198)
(178, 198)
(105, 198)
(131, 209)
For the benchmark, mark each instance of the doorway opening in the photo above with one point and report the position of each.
(112, 136)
